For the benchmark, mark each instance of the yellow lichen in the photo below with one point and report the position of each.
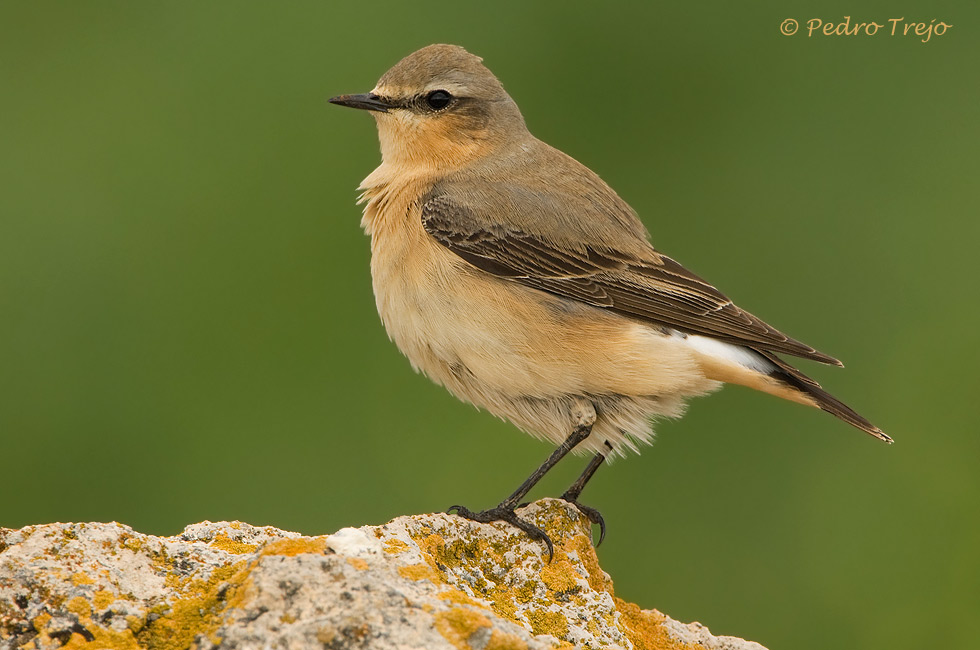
(244, 589)
(547, 622)
(198, 610)
(225, 543)
(358, 563)
(102, 639)
(294, 547)
(559, 526)
(40, 622)
(287, 618)
(458, 597)
(457, 625)
(131, 543)
(502, 602)
(442, 556)
(394, 546)
(596, 577)
(163, 564)
(79, 607)
(560, 575)
(135, 623)
(501, 641)
(525, 593)
(646, 628)
(592, 627)
(80, 579)
(435, 546)
(98, 638)
(102, 599)
(418, 572)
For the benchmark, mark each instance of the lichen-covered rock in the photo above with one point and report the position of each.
(427, 581)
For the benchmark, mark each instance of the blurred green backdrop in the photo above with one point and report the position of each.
(187, 329)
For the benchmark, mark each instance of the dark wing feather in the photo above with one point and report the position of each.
(824, 400)
(652, 288)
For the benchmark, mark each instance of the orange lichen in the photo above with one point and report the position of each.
(225, 543)
(458, 624)
(560, 575)
(525, 593)
(596, 577)
(502, 602)
(103, 639)
(419, 572)
(199, 610)
(646, 628)
(434, 545)
(102, 599)
(547, 622)
(298, 546)
(358, 563)
(40, 622)
(395, 546)
(80, 579)
(500, 641)
(79, 607)
(130, 542)
(458, 597)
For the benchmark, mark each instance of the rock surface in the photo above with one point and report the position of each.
(426, 581)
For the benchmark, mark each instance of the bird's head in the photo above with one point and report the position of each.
(440, 107)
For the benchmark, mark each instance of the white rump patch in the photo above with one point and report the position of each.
(730, 352)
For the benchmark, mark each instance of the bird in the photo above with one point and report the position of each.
(511, 274)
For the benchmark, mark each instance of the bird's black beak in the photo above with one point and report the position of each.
(369, 102)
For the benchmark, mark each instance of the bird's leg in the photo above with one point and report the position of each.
(572, 493)
(584, 417)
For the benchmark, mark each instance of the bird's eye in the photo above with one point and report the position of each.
(438, 99)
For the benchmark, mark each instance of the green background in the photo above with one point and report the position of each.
(187, 329)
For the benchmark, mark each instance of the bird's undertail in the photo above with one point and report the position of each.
(787, 375)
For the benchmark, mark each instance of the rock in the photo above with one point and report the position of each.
(426, 581)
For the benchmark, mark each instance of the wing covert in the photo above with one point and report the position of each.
(640, 284)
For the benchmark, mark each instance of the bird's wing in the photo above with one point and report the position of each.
(631, 279)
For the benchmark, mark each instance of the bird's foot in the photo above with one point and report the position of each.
(503, 513)
(591, 514)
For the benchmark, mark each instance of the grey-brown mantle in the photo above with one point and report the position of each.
(425, 581)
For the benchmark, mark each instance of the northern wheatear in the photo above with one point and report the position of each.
(515, 277)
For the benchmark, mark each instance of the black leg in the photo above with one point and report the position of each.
(572, 493)
(505, 510)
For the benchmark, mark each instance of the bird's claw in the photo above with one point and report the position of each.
(503, 513)
(591, 514)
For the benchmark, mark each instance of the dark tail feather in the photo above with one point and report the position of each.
(824, 400)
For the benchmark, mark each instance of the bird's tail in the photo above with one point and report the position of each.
(792, 377)
(766, 372)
